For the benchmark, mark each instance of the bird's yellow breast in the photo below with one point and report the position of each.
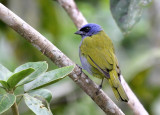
(100, 48)
(98, 41)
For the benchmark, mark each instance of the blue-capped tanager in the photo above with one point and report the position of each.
(97, 56)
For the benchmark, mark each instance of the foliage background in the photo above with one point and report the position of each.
(138, 52)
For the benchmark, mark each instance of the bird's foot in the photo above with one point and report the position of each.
(98, 89)
(79, 74)
(100, 86)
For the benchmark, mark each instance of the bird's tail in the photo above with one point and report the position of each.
(117, 87)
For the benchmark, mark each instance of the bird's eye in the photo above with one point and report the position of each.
(86, 29)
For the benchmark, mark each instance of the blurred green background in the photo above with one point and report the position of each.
(138, 52)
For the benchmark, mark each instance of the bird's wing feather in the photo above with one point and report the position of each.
(104, 71)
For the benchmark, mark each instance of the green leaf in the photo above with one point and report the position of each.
(44, 93)
(6, 101)
(15, 78)
(2, 91)
(49, 78)
(36, 105)
(4, 73)
(4, 84)
(40, 68)
(127, 12)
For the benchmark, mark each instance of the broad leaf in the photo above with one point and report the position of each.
(36, 105)
(6, 101)
(2, 91)
(127, 12)
(4, 84)
(44, 93)
(15, 78)
(4, 73)
(49, 78)
(39, 67)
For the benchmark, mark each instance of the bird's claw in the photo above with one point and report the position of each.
(100, 86)
(79, 74)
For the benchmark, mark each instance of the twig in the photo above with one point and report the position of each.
(45, 46)
(79, 20)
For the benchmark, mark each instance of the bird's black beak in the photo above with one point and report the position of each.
(79, 32)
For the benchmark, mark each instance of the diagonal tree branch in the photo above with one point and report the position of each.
(78, 19)
(72, 10)
(52, 52)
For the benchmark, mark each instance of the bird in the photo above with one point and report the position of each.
(97, 56)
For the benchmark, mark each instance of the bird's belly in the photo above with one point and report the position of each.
(91, 70)
(85, 64)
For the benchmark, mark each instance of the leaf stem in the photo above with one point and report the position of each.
(14, 106)
(15, 109)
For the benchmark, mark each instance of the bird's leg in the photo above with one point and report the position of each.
(100, 86)
(80, 69)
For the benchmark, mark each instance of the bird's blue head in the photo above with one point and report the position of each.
(89, 30)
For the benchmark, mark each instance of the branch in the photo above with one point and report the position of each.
(133, 102)
(52, 52)
(72, 10)
(79, 20)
